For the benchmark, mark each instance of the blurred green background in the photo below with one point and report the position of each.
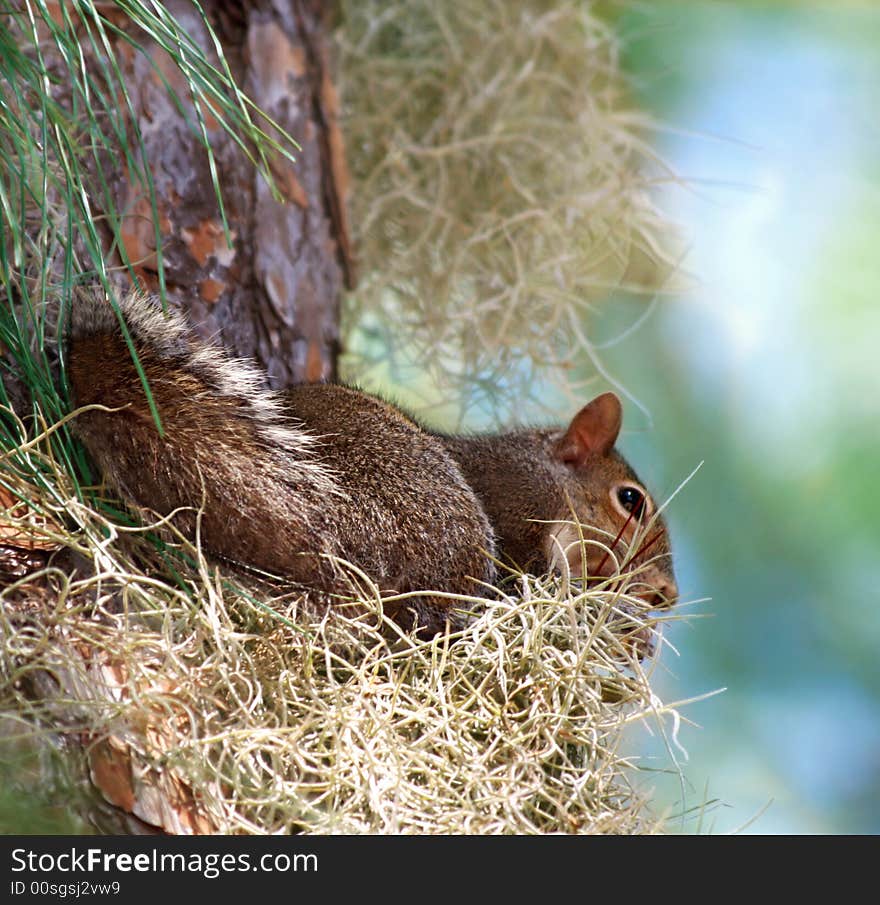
(767, 371)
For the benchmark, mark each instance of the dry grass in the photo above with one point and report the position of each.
(208, 708)
(501, 190)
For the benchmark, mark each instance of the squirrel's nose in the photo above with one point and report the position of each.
(663, 594)
(657, 590)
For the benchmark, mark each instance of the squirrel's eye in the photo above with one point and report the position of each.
(632, 499)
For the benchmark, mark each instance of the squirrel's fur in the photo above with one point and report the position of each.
(292, 482)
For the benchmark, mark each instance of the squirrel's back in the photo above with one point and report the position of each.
(283, 482)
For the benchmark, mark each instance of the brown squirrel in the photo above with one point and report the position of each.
(292, 482)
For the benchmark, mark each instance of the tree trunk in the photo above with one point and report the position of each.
(274, 295)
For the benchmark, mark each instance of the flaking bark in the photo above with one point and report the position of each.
(274, 295)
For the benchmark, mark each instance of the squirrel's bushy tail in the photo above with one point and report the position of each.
(355, 480)
(227, 449)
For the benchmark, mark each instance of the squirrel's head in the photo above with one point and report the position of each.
(605, 505)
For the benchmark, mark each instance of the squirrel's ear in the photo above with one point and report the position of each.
(593, 430)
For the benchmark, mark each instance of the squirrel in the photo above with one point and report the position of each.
(293, 482)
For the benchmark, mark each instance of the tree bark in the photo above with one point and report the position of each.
(274, 295)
